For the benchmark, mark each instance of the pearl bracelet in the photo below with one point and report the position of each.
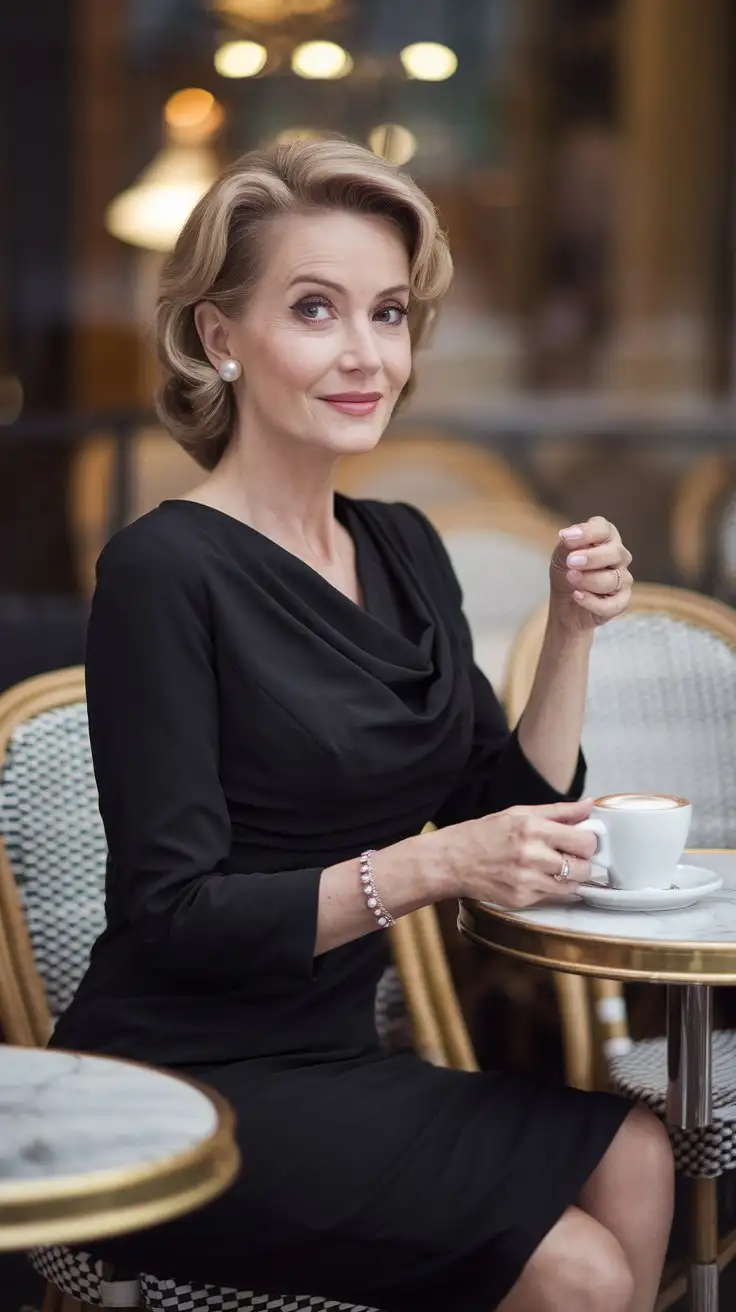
(383, 917)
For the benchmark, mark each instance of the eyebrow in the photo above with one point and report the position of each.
(337, 287)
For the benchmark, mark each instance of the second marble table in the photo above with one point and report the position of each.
(92, 1147)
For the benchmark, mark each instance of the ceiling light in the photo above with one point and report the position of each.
(321, 59)
(189, 108)
(428, 61)
(152, 212)
(240, 58)
(393, 143)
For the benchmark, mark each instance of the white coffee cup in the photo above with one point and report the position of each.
(641, 837)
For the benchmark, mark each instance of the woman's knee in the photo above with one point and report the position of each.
(578, 1267)
(594, 1274)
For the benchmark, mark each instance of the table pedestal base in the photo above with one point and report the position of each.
(690, 1107)
(702, 1287)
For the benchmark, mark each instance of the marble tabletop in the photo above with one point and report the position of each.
(92, 1146)
(686, 945)
(712, 920)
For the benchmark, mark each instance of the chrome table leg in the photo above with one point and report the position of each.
(690, 1106)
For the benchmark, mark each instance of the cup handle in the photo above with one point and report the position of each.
(602, 855)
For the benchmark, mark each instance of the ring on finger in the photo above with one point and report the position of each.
(619, 583)
(564, 871)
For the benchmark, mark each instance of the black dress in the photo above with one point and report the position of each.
(251, 725)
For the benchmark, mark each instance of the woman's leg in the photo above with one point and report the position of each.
(578, 1267)
(631, 1193)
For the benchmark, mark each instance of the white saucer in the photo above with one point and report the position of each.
(689, 884)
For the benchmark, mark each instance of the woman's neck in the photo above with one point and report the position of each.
(286, 495)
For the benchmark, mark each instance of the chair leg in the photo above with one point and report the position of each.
(672, 1290)
(727, 1250)
(52, 1299)
(703, 1269)
(55, 1301)
(577, 1039)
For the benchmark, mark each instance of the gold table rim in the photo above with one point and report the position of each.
(117, 1200)
(580, 953)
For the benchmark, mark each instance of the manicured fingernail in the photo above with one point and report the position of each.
(577, 558)
(574, 531)
(574, 576)
(579, 596)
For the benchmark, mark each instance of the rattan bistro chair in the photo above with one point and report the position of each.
(722, 568)
(661, 713)
(697, 497)
(661, 718)
(52, 866)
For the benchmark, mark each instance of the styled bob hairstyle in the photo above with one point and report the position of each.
(217, 256)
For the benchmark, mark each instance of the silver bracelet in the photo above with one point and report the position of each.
(383, 917)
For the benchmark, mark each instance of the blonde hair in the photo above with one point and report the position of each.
(216, 259)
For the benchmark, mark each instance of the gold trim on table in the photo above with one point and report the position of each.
(78, 1208)
(658, 961)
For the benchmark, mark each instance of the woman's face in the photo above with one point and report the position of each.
(324, 340)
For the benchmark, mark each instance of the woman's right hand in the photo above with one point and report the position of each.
(511, 857)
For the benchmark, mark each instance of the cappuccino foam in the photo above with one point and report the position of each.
(639, 802)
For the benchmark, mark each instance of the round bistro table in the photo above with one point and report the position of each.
(688, 950)
(92, 1147)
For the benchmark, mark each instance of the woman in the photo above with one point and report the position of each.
(281, 680)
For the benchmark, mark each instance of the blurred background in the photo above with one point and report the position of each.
(582, 154)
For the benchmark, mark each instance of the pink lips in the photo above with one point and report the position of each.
(354, 403)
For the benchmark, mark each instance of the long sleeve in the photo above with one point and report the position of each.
(498, 774)
(154, 727)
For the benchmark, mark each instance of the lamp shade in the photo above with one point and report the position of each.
(152, 212)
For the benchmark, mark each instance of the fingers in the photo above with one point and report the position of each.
(596, 565)
(566, 813)
(603, 608)
(612, 555)
(565, 891)
(589, 532)
(552, 862)
(566, 840)
(543, 888)
(602, 582)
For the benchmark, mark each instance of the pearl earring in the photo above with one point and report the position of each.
(229, 370)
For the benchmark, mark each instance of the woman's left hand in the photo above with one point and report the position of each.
(589, 575)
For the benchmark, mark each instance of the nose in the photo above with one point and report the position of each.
(361, 352)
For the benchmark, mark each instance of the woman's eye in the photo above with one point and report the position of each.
(393, 315)
(313, 308)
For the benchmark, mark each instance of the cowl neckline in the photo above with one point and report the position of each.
(405, 647)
